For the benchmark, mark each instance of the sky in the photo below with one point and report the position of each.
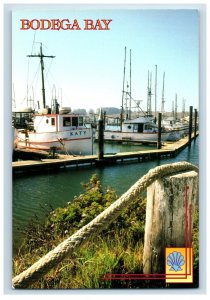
(87, 71)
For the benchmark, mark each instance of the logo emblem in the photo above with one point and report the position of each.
(175, 260)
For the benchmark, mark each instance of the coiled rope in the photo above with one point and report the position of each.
(67, 247)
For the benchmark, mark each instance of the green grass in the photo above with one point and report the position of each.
(118, 249)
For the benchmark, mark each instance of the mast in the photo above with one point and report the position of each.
(175, 113)
(123, 88)
(155, 93)
(183, 108)
(163, 99)
(149, 94)
(130, 89)
(173, 110)
(13, 98)
(41, 56)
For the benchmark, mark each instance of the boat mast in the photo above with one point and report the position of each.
(163, 99)
(175, 108)
(173, 111)
(155, 93)
(183, 108)
(149, 94)
(13, 98)
(122, 109)
(130, 89)
(41, 56)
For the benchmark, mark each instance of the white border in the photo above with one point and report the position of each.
(5, 162)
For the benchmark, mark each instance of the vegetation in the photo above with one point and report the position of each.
(118, 249)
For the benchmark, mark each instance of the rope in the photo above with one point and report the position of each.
(68, 246)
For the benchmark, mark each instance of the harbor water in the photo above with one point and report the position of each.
(35, 195)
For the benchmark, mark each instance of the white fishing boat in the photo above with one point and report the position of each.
(63, 132)
(52, 128)
(136, 130)
(142, 128)
(176, 128)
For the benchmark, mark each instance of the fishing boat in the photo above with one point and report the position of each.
(52, 128)
(140, 129)
(177, 129)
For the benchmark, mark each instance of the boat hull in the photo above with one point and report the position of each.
(133, 136)
(70, 141)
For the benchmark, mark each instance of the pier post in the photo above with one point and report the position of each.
(171, 203)
(104, 120)
(100, 136)
(190, 124)
(195, 123)
(159, 131)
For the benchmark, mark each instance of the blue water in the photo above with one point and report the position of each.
(33, 195)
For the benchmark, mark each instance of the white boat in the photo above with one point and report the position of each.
(136, 130)
(52, 128)
(177, 129)
(63, 132)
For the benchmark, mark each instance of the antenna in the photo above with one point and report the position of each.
(41, 56)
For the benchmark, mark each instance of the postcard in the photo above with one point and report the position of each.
(105, 128)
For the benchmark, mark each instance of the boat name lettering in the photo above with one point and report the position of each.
(64, 24)
(80, 132)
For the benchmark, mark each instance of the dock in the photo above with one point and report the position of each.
(44, 164)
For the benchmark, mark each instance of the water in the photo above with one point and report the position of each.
(34, 195)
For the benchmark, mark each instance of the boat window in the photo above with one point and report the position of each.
(75, 121)
(80, 121)
(47, 121)
(66, 121)
(148, 127)
(52, 121)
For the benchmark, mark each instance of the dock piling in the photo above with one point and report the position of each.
(159, 131)
(100, 136)
(190, 124)
(169, 218)
(195, 123)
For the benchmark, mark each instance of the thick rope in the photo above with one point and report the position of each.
(67, 247)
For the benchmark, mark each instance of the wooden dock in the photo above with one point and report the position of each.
(44, 164)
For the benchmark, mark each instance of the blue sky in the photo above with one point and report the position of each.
(88, 67)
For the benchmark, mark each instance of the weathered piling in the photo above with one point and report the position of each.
(195, 122)
(190, 124)
(101, 136)
(159, 131)
(169, 218)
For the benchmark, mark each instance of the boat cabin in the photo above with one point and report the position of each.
(139, 125)
(57, 122)
(22, 118)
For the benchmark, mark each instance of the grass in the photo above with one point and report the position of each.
(118, 249)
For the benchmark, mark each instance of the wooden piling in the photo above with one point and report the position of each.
(159, 131)
(100, 136)
(169, 217)
(190, 124)
(195, 123)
